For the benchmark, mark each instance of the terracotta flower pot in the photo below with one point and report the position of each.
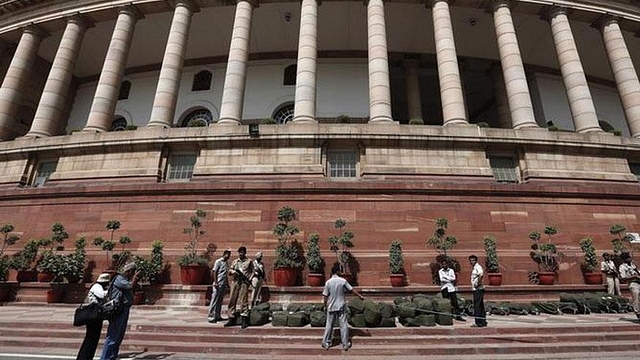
(495, 279)
(55, 295)
(315, 279)
(285, 276)
(592, 278)
(138, 297)
(44, 277)
(546, 278)
(193, 274)
(398, 280)
(27, 276)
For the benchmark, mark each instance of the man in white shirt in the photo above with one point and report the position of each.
(477, 274)
(629, 274)
(448, 288)
(610, 272)
(257, 279)
(334, 292)
(219, 288)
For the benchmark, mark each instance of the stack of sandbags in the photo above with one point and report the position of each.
(260, 314)
(370, 314)
(417, 312)
(297, 315)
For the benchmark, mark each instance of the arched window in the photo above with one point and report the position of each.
(200, 117)
(125, 88)
(201, 81)
(290, 75)
(284, 114)
(119, 124)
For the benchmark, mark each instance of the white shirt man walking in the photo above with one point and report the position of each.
(334, 293)
(219, 288)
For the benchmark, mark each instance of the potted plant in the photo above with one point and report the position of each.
(150, 269)
(618, 242)
(315, 262)
(341, 246)
(113, 261)
(545, 255)
(193, 266)
(74, 263)
(23, 261)
(396, 265)
(442, 243)
(50, 262)
(8, 239)
(492, 263)
(289, 255)
(589, 265)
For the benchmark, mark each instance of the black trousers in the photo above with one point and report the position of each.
(91, 340)
(478, 307)
(453, 298)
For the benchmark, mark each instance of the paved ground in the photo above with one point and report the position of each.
(14, 314)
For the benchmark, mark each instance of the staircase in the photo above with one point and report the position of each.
(166, 332)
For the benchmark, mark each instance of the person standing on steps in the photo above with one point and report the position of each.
(96, 294)
(124, 284)
(448, 288)
(334, 301)
(608, 268)
(629, 274)
(477, 274)
(219, 288)
(241, 270)
(257, 279)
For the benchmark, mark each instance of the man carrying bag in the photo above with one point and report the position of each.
(89, 314)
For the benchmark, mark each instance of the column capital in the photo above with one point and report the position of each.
(131, 10)
(549, 12)
(254, 3)
(431, 3)
(319, 2)
(189, 4)
(494, 5)
(36, 30)
(81, 20)
(604, 20)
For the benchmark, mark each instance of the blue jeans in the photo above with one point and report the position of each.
(115, 334)
(217, 295)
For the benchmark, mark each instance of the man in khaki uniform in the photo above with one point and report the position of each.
(240, 270)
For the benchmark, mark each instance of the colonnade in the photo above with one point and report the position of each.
(518, 110)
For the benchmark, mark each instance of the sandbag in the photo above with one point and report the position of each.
(293, 307)
(406, 310)
(425, 320)
(263, 307)
(358, 321)
(388, 322)
(279, 318)
(547, 307)
(386, 310)
(258, 318)
(401, 300)
(356, 305)
(275, 307)
(318, 318)
(298, 319)
(409, 322)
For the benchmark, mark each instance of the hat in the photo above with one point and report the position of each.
(129, 267)
(104, 278)
(259, 255)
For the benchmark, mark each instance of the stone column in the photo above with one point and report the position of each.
(305, 102)
(236, 75)
(515, 79)
(164, 102)
(623, 71)
(502, 103)
(48, 117)
(11, 90)
(379, 87)
(451, 95)
(575, 81)
(106, 96)
(414, 103)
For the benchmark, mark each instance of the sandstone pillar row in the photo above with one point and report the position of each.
(11, 89)
(518, 95)
(451, 94)
(106, 96)
(236, 75)
(379, 84)
(623, 72)
(414, 103)
(305, 98)
(166, 96)
(50, 111)
(581, 104)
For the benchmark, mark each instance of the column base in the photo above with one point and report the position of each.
(527, 125)
(35, 134)
(228, 121)
(93, 130)
(590, 129)
(304, 119)
(454, 122)
(381, 119)
(156, 124)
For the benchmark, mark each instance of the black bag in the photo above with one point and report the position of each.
(113, 304)
(86, 313)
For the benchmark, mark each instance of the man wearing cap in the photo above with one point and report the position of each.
(241, 271)
(257, 279)
(96, 294)
(608, 268)
(219, 288)
(629, 273)
(122, 287)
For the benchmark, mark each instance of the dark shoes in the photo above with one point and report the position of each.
(460, 318)
(326, 346)
(231, 322)
(245, 322)
(476, 325)
(346, 347)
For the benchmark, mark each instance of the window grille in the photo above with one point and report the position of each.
(119, 124)
(201, 81)
(342, 164)
(45, 169)
(504, 169)
(201, 117)
(284, 114)
(181, 167)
